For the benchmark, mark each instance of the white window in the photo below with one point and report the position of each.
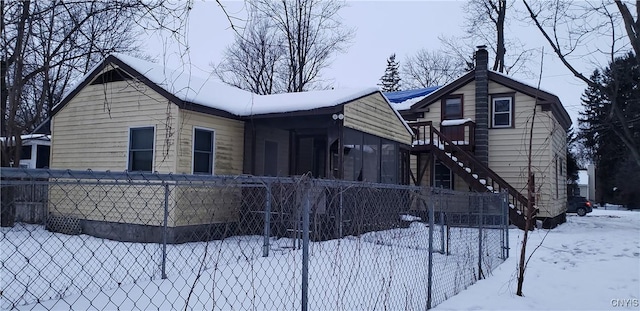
(502, 108)
(203, 151)
(141, 149)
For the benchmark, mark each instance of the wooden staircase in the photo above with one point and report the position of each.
(475, 173)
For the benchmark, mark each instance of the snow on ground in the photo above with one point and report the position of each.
(377, 270)
(588, 263)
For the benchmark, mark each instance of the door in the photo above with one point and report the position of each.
(452, 110)
(311, 156)
(442, 177)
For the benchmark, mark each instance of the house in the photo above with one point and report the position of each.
(130, 115)
(35, 150)
(474, 134)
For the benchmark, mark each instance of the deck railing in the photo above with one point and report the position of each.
(465, 133)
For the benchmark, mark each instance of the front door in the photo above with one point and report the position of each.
(452, 110)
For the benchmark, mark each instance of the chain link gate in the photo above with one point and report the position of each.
(104, 240)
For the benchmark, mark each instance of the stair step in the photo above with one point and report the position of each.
(483, 181)
(467, 169)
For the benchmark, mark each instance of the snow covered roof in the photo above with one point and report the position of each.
(211, 93)
(403, 100)
(29, 137)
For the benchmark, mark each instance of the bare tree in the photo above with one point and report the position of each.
(486, 22)
(581, 30)
(48, 44)
(311, 31)
(254, 61)
(431, 68)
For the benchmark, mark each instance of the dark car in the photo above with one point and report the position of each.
(579, 205)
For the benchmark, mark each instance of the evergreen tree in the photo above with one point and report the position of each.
(619, 84)
(390, 81)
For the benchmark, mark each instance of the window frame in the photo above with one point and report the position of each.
(443, 105)
(153, 147)
(512, 100)
(193, 149)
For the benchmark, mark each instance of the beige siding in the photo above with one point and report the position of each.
(508, 147)
(558, 153)
(508, 150)
(229, 142)
(372, 114)
(425, 180)
(198, 205)
(468, 93)
(92, 130)
(123, 203)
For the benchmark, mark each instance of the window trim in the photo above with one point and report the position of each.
(213, 151)
(153, 147)
(443, 105)
(512, 98)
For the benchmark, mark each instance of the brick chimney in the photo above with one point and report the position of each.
(482, 104)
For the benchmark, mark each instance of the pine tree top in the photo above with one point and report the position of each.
(390, 81)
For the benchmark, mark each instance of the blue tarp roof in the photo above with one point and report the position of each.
(400, 96)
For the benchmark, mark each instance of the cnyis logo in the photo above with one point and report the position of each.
(625, 303)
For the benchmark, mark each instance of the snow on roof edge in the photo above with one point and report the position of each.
(207, 92)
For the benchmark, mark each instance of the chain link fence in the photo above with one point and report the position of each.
(101, 240)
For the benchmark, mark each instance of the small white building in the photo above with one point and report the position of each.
(587, 183)
(583, 183)
(35, 150)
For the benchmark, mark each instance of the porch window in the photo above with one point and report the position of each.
(371, 158)
(352, 155)
(203, 151)
(141, 149)
(389, 165)
(502, 107)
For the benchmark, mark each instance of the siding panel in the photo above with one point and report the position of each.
(372, 114)
(92, 130)
(229, 139)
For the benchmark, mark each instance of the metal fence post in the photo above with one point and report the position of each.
(505, 203)
(305, 245)
(267, 222)
(164, 230)
(442, 234)
(340, 228)
(430, 264)
(480, 222)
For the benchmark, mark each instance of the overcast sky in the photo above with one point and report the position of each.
(382, 28)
